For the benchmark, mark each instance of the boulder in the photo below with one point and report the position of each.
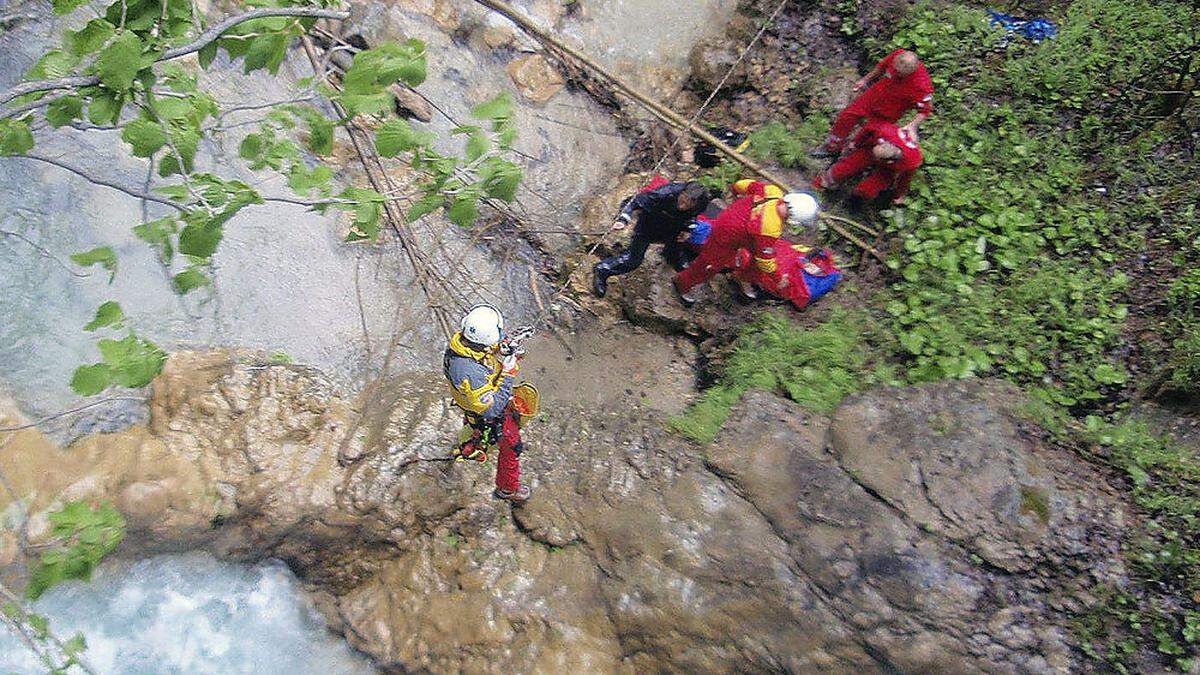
(713, 60)
(535, 78)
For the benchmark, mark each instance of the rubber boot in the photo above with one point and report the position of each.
(599, 281)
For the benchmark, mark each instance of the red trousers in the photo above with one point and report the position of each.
(880, 179)
(863, 106)
(508, 464)
(714, 258)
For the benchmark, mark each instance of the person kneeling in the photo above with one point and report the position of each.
(888, 153)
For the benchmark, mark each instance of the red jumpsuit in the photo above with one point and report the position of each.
(887, 99)
(803, 287)
(751, 222)
(896, 174)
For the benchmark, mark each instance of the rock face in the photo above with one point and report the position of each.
(918, 530)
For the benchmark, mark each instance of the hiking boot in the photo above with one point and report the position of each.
(518, 496)
(684, 298)
(599, 281)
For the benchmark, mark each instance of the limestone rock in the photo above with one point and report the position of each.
(535, 78)
(870, 541)
(711, 61)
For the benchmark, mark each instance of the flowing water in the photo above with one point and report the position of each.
(285, 282)
(189, 614)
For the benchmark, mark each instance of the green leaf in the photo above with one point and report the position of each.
(91, 380)
(498, 108)
(144, 136)
(158, 233)
(120, 61)
(464, 210)
(398, 136)
(90, 38)
(84, 535)
(302, 181)
(101, 255)
(107, 314)
(54, 64)
(477, 145)
(375, 69)
(424, 207)
(200, 240)
(367, 104)
(266, 51)
(500, 178)
(76, 645)
(189, 280)
(105, 107)
(134, 362)
(320, 134)
(251, 147)
(66, 6)
(207, 54)
(62, 111)
(15, 137)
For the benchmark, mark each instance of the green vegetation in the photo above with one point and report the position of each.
(163, 115)
(84, 535)
(1050, 170)
(1160, 610)
(816, 367)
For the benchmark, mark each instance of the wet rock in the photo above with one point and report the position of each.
(795, 542)
(714, 60)
(952, 459)
(535, 78)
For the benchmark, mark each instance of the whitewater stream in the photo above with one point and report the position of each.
(189, 614)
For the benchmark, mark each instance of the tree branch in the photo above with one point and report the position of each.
(72, 411)
(108, 184)
(42, 250)
(206, 38)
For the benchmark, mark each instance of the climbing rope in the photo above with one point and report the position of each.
(546, 311)
(729, 73)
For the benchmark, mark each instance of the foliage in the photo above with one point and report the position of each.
(1165, 555)
(163, 115)
(816, 367)
(1183, 366)
(129, 362)
(84, 534)
(59, 657)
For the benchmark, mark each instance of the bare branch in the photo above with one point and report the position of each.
(72, 411)
(108, 184)
(206, 38)
(42, 250)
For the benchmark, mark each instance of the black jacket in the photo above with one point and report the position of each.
(660, 219)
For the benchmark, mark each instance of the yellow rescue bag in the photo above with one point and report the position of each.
(526, 401)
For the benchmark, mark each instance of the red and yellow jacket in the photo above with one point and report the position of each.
(764, 225)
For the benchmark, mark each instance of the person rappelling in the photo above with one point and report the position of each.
(664, 211)
(481, 365)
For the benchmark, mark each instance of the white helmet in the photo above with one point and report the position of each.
(802, 208)
(483, 325)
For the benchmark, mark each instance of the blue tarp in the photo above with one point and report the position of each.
(1035, 30)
